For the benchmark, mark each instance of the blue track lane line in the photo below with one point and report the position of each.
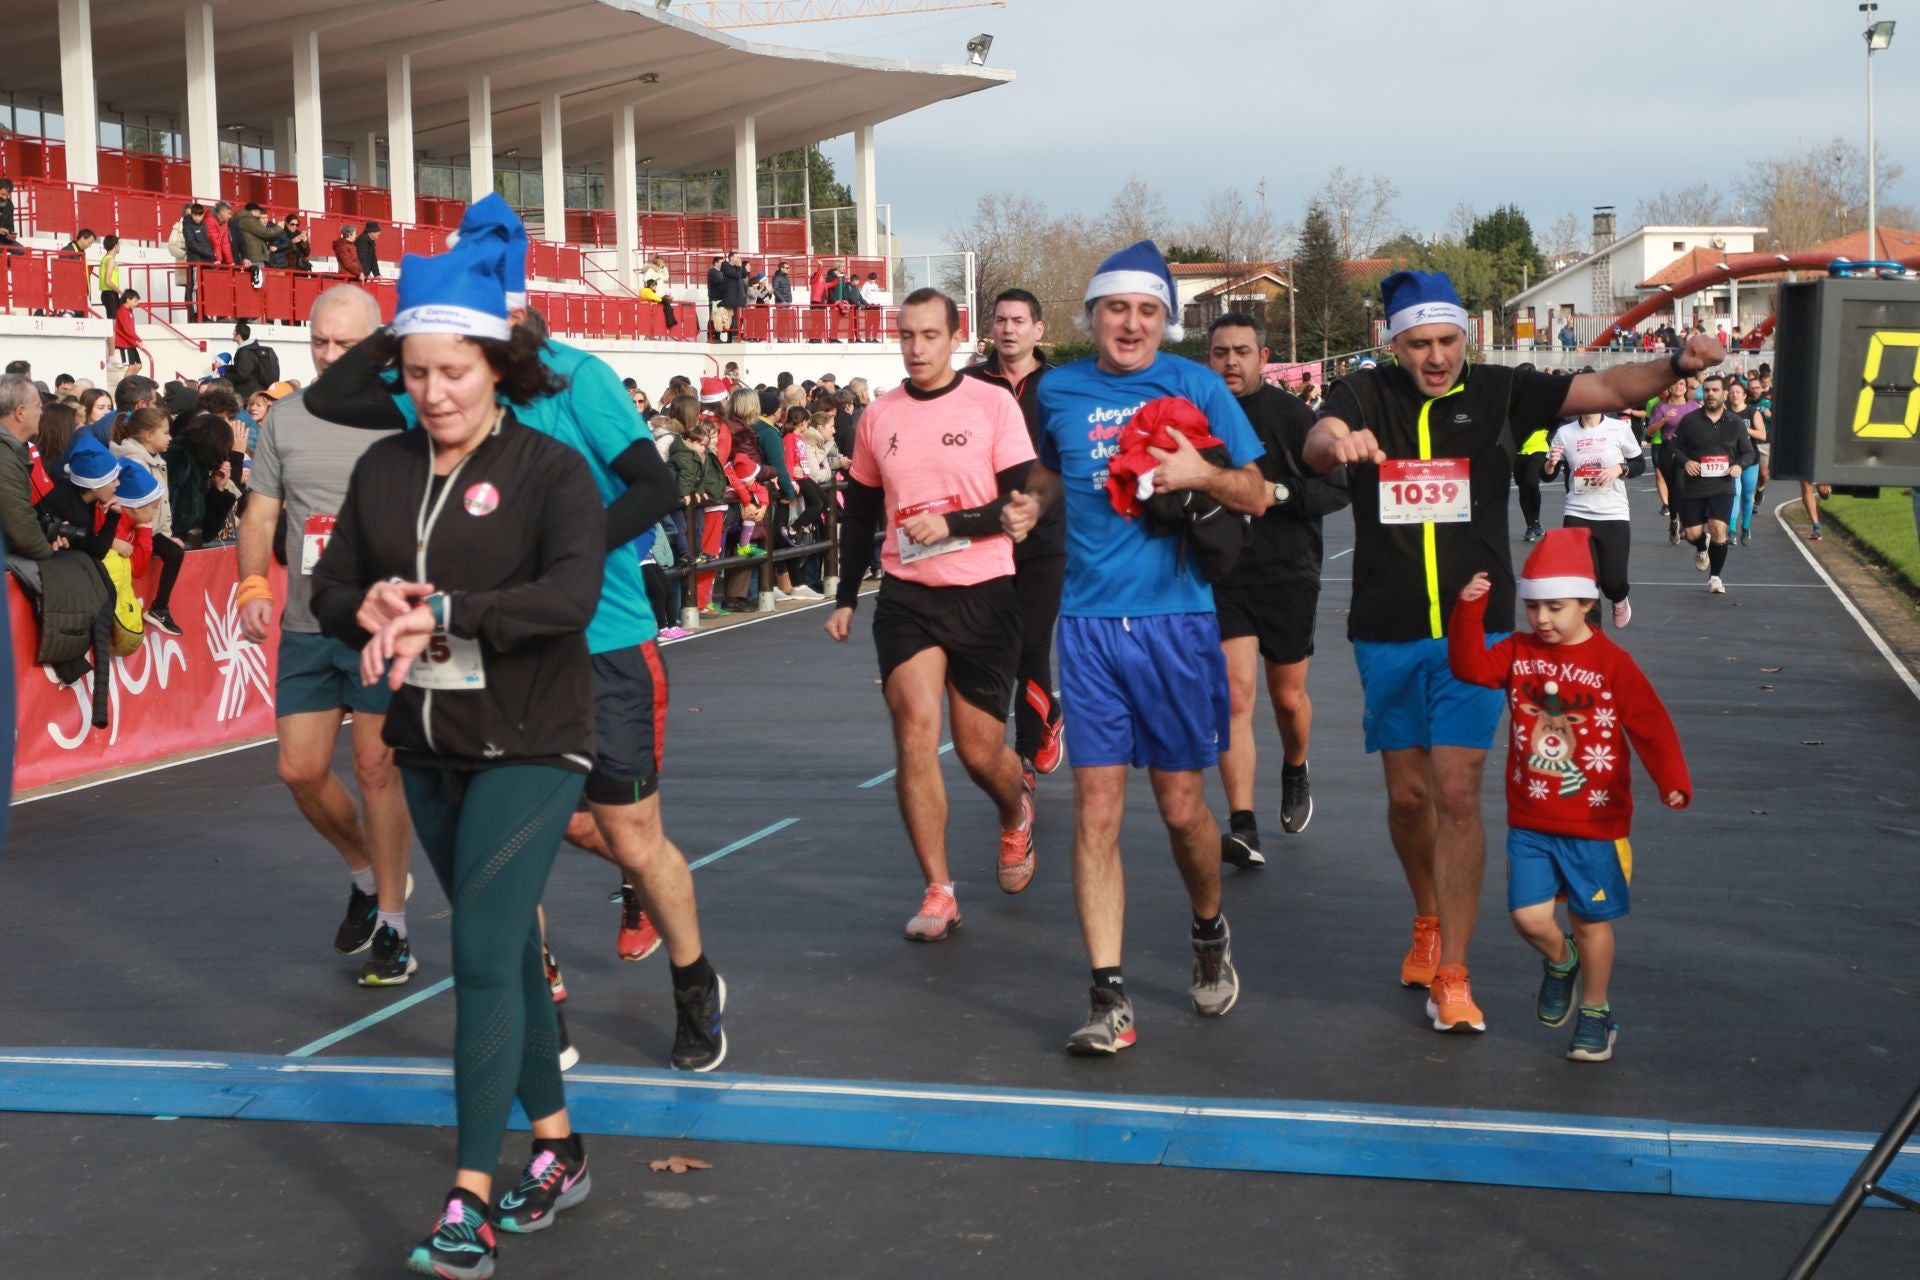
(879, 778)
(1505, 1148)
(742, 843)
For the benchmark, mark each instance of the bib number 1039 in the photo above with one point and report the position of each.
(1425, 491)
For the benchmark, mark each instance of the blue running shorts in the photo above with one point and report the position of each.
(1413, 700)
(1592, 874)
(1147, 692)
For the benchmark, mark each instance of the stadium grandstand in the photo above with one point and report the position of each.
(618, 128)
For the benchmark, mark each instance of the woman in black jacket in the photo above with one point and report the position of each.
(467, 562)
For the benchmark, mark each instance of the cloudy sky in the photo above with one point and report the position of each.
(1553, 105)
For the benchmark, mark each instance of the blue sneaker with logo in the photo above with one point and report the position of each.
(1593, 1035)
(462, 1245)
(1555, 1002)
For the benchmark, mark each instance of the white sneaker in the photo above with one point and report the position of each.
(1622, 613)
(1715, 587)
(806, 593)
(782, 597)
(1700, 561)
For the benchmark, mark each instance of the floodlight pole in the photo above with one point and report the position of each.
(1873, 176)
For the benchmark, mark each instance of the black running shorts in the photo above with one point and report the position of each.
(629, 724)
(977, 627)
(1696, 511)
(1279, 613)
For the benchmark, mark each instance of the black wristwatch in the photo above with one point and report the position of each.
(1673, 363)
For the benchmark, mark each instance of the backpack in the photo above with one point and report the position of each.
(267, 364)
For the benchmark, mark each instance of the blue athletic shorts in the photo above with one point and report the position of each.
(318, 673)
(1592, 874)
(1147, 692)
(1412, 699)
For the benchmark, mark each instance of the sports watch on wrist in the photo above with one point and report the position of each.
(1281, 493)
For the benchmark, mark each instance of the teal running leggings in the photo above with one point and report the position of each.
(491, 837)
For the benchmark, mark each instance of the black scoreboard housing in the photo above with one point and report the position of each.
(1846, 382)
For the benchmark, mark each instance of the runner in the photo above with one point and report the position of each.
(1527, 474)
(1676, 402)
(939, 456)
(491, 720)
(1600, 454)
(1267, 603)
(1141, 670)
(1746, 490)
(300, 469)
(1429, 468)
(1714, 449)
(1040, 560)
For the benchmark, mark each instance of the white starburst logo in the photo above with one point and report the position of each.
(1537, 790)
(1596, 798)
(1598, 759)
(1604, 717)
(242, 663)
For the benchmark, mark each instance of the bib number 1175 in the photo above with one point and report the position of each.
(1425, 491)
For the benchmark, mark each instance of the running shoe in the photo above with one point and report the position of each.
(938, 916)
(569, 1056)
(1700, 561)
(1535, 532)
(1046, 757)
(1665, 510)
(782, 597)
(1016, 849)
(556, 981)
(1554, 1005)
(1622, 613)
(162, 620)
(1450, 1002)
(1241, 848)
(638, 938)
(1715, 587)
(1028, 778)
(551, 1183)
(356, 927)
(675, 633)
(713, 611)
(1296, 803)
(804, 592)
(1109, 1026)
(699, 1038)
(1746, 537)
(462, 1245)
(1673, 535)
(1815, 535)
(753, 551)
(1423, 957)
(391, 962)
(1216, 983)
(1593, 1036)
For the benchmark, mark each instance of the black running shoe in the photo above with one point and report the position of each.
(391, 962)
(1535, 532)
(356, 927)
(569, 1056)
(1241, 848)
(162, 620)
(699, 1039)
(462, 1244)
(551, 1183)
(1296, 803)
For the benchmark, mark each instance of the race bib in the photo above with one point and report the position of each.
(1430, 491)
(911, 550)
(1592, 479)
(1716, 466)
(449, 663)
(313, 540)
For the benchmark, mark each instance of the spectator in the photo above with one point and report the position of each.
(818, 286)
(21, 367)
(1569, 340)
(760, 292)
(200, 487)
(346, 256)
(257, 232)
(126, 339)
(875, 293)
(367, 249)
(295, 250)
(107, 278)
(255, 367)
(716, 282)
(64, 384)
(703, 488)
(782, 286)
(653, 287)
(220, 231)
(20, 411)
(733, 277)
(77, 247)
(7, 227)
(142, 438)
(82, 499)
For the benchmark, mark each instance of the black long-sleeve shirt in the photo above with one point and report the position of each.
(1697, 436)
(1286, 545)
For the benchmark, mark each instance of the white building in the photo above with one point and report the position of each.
(1607, 281)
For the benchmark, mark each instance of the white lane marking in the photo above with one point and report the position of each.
(135, 773)
(1886, 650)
(1336, 555)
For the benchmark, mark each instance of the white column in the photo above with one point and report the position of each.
(623, 191)
(202, 114)
(400, 136)
(309, 151)
(283, 145)
(866, 214)
(553, 176)
(366, 157)
(746, 186)
(77, 103)
(480, 134)
(1733, 304)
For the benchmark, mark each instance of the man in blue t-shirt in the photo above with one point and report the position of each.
(1141, 672)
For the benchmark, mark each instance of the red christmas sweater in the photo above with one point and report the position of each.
(1575, 708)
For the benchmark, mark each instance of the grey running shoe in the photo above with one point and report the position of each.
(1109, 1026)
(1241, 848)
(1296, 804)
(1216, 984)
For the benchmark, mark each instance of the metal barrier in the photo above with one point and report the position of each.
(828, 547)
(34, 280)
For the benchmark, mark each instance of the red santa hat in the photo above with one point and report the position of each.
(713, 390)
(1560, 568)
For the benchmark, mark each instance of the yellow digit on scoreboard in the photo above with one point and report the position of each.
(1865, 429)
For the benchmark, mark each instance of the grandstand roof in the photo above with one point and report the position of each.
(591, 52)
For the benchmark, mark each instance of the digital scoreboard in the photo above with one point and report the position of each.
(1846, 382)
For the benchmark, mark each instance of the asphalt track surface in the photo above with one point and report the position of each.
(1768, 980)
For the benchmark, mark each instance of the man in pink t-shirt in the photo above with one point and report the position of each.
(935, 464)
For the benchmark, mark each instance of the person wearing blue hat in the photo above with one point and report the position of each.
(82, 499)
(464, 564)
(1428, 439)
(1143, 681)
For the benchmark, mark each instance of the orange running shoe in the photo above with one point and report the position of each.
(1423, 957)
(1016, 850)
(1046, 756)
(938, 916)
(638, 938)
(1450, 1002)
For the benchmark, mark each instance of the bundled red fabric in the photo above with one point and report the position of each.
(742, 473)
(1152, 426)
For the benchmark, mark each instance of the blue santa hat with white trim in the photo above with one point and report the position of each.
(1412, 298)
(89, 465)
(493, 216)
(462, 291)
(1139, 268)
(137, 485)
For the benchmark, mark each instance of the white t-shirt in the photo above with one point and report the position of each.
(1586, 451)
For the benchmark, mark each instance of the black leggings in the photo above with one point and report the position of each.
(660, 594)
(172, 555)
(1526, 478)
(1037, 583)
(1612, 540)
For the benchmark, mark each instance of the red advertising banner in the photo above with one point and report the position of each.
(175, 693)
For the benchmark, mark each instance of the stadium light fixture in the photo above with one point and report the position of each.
(1879, 36)
(978, 46)
(663, 5)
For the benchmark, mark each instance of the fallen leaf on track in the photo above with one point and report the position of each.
(1773, 670)
(677, 1164)
(1813, 742)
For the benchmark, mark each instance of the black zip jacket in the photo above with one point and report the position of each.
(1048, 537)
(1286, 545)
(1697, 436)
(523, 579)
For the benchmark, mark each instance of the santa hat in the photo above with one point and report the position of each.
(1560, 568)
(494, 217)
(89, 465)
(713, 390)
(462, 291)
(1139, 268)
(1411, 298)
(137, 485)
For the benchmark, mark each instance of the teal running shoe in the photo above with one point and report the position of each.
(1555, 1003)
(1593, 1036)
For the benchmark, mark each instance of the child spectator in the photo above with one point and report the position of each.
(141, 438)
(58, 423)
(107, 274)
(82, 500)
(1577, 700)
(125, 337)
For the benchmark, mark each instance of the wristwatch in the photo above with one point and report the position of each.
(1281, 493)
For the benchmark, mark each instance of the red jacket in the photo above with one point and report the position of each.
(123, 331)
(818, 285)
(1152, 425)
(1575, 708)
(221, 235)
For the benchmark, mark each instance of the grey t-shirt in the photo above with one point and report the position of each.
(306, 463)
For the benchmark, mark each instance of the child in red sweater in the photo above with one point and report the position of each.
(1577, 700)
(125, 338)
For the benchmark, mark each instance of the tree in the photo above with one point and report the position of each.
(1506, 238)
(1360, 209)
(1242, 229)
(1700, 205)
(1138, 212)
(1199, 251)
(1817, 195)
(1327, 306)
(1565, 238)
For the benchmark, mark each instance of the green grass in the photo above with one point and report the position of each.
(1882, 526)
